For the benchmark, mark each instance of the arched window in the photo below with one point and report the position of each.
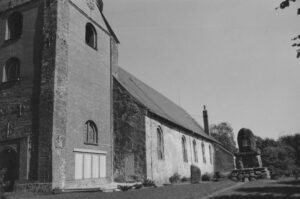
(14, 26)
(11, 70)
(160, 144)
(195, 151)
(184, 151)
(203, 152)
(91, 133)
(90, 35)
(210, 155)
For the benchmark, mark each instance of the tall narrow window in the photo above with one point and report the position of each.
(160, 144)
(14, 26)
(184, 151)
(90, 35)
(210, 155)
(11, 70)
(203, 152)
(91, 133)
(195, 151)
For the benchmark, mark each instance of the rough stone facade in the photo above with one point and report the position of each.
(224, 161)
(129, 136)
(19, 99)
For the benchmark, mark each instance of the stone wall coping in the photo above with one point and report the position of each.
(89, 151)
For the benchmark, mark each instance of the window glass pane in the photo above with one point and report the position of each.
(102, 166)
(96, 168)
(78, 165)
(87, 166)
(203, 153)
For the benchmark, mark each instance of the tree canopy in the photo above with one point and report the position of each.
(284, 4)
(223, 132)
(281, 156)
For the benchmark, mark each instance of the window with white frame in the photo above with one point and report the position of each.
(195, 151)
(91, 134)
(203, 152)
(90, 165)
(210, 155)
(160, 143)
(184, 150)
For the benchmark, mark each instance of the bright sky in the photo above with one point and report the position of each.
(232, 55)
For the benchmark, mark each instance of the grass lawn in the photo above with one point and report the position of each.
(180, 191)
(271, 189)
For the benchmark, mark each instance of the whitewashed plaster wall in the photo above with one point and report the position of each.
(161, 170)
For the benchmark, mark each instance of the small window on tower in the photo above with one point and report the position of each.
(91, 133)
(11, 70)
(91, 35)
(14, 26)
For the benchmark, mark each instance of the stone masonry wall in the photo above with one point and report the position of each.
(47, 93)
(19, 99)
(129, 136)
(223, 160)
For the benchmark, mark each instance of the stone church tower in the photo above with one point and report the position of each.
(56, 58)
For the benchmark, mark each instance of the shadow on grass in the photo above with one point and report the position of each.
(293, 182)
(252, 196)
(272, 192)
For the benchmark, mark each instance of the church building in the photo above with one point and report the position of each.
(72, 118)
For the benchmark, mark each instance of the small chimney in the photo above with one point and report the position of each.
(205, 120)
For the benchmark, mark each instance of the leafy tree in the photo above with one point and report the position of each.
(280, 159)
(223, 132)
(281, 156)
(284, 4)
(263, 143)
(294, 142)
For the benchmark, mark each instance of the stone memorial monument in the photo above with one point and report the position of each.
(247, 159)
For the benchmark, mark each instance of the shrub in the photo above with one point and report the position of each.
(148, 183)
(138, 186)
(206, 177)
(175, 178)
(185, 179)
(124, 188)
(275, 177)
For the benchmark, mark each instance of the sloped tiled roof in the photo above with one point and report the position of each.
(158, 104)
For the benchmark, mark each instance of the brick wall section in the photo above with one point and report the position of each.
(89, 91)
(223, 159)
(129, 134)
(24, 93)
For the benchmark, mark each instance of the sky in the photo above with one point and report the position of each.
(234, 56)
